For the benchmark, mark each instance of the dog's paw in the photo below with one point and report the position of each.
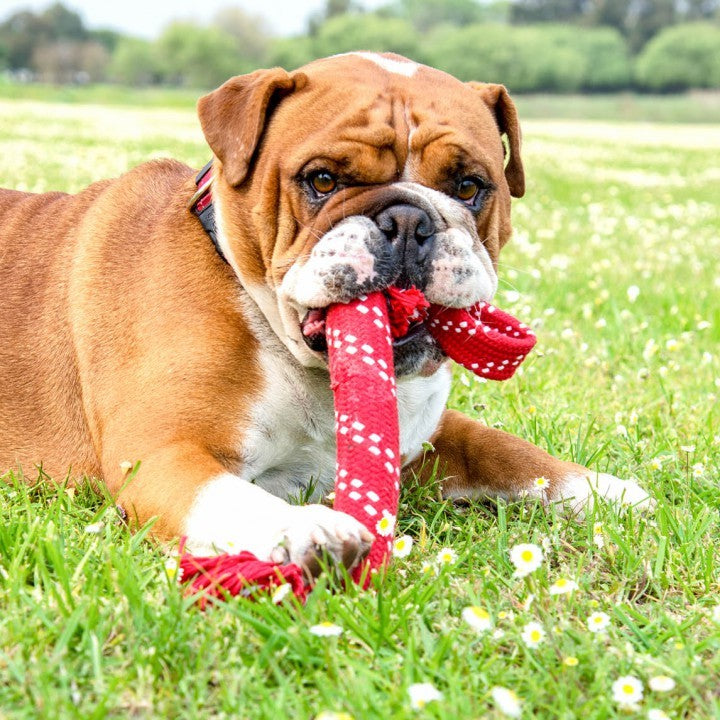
(231, 515)
(579, 491)
(315, 533)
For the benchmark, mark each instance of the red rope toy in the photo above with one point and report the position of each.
(483, 339)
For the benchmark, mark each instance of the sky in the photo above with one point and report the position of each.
(146, 18)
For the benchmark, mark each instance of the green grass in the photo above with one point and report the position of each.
(102, 94)
(690, 107)
(92, 627)
(698, 106)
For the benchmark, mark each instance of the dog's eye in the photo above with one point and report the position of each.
(323, 182)
(467, 190)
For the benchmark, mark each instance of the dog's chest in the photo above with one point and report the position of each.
(289, 448)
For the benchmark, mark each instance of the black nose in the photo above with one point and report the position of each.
(411, 232)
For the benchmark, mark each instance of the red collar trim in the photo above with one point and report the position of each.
(201, 205)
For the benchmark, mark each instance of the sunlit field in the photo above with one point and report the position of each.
(616, 263)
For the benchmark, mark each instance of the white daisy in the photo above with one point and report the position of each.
(281, 592)
(446, 556)
(172, 568)
(477, 618)
(402, 546)
(541, 483)
(627, 691)
(562, 586)
(326, 629)
(598, 621)
(526, 558)
(657, 714)
(508, 703)
(94, 528)
(533, 634)
(386, 524)
(661, 683)
(423, 693)
(656, 463)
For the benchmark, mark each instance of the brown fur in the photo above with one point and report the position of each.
(120, 340)
(475, 461)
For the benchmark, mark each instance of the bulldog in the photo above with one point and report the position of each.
(130, 334)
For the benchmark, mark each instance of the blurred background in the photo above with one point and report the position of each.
(532, 46)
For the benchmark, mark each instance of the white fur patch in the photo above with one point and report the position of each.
(577, 491)
(230, 514)
(421, 402)
(399, 67)
(580, 491)
(292, 438)
(344, 246)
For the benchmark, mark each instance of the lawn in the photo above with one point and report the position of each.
(615, 263)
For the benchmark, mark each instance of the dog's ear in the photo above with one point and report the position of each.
(496, 97)
(233, 116)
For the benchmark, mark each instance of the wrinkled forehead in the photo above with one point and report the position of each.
(396, 80)
(387, 101)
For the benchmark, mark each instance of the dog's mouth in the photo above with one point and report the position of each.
(313, 331)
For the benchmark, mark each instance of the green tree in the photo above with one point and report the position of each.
(681, 57)
(107, 38)
(648, 18)
(607, 65)
(365, 32)
(523, 12)
(522, 58)
(135, 62)
(24, 32)
(426, 14)
(63, 24)
(332, 8)
(638, 20)
(291, 52)
(198, 57)
(612, 13)
(251, 35)
(20, 34)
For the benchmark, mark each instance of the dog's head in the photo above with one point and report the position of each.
(355, 173)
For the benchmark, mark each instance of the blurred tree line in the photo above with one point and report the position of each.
(530, 45)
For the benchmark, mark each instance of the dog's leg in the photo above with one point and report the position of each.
(477, 461)
(191, 494)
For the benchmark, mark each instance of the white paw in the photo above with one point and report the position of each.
(232, 515)
(579, 491)
(314, 531)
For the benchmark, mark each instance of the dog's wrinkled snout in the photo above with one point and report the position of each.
(411, 232)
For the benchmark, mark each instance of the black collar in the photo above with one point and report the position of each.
(201, 205)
